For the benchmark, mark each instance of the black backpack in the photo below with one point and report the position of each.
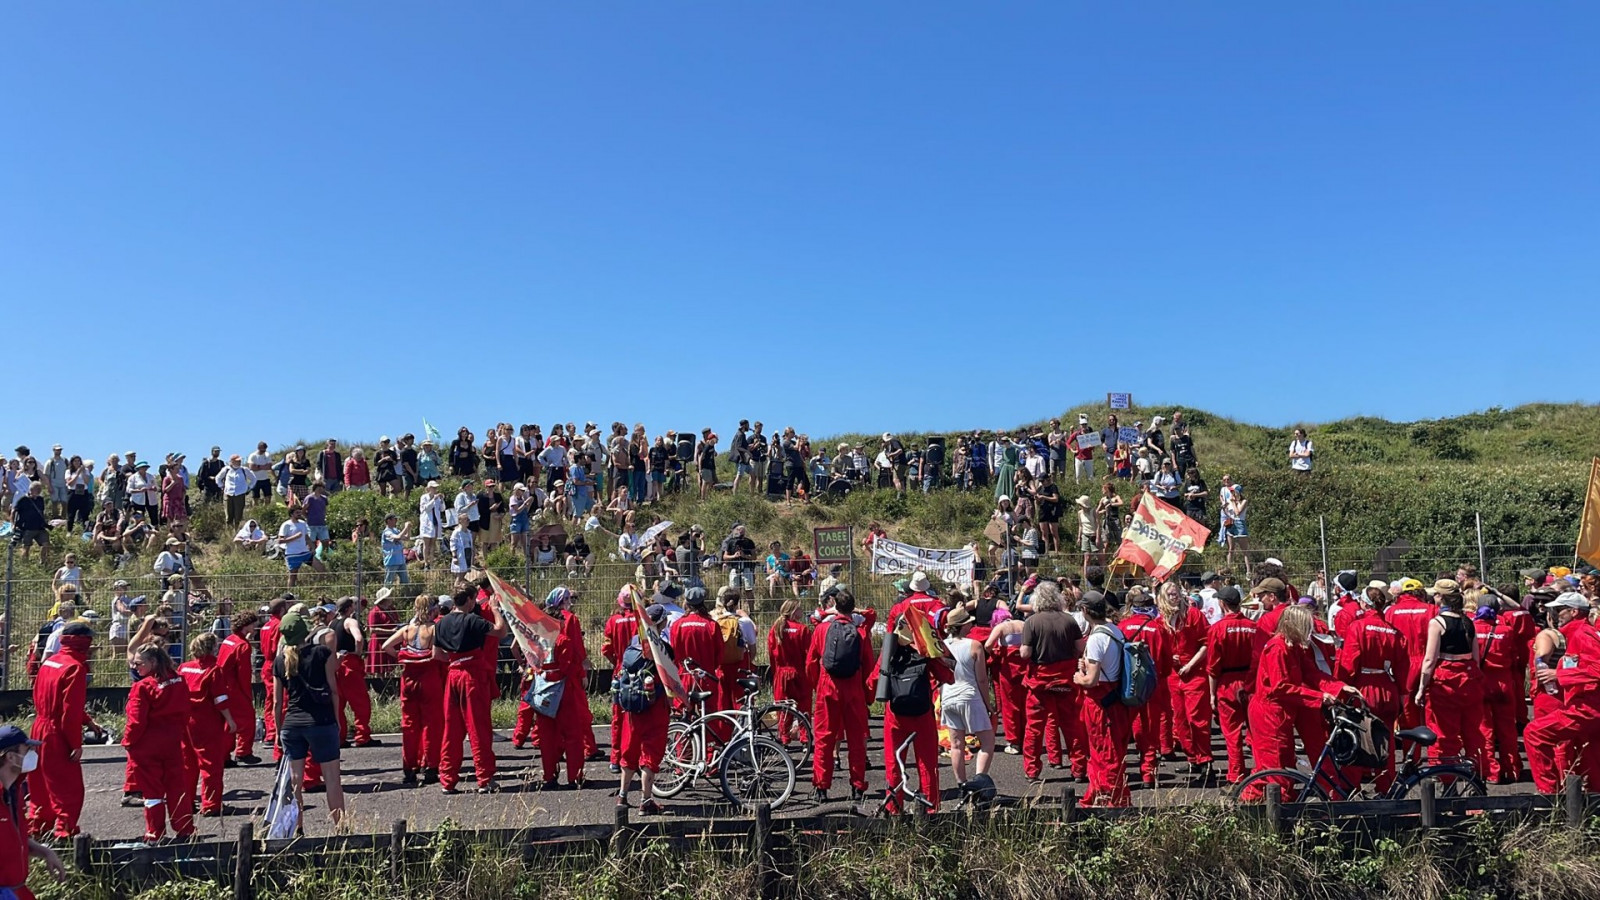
(629, 686)
(841, 649)
(909, 691)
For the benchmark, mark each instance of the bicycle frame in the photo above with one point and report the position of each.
(1326, 769)
(911, 789)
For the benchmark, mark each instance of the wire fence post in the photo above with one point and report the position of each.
(358, 565)
(1483, 561)
(527, 563)
(5, 643)
(1327, 577)
(188, 612)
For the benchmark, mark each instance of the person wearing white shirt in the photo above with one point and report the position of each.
(1300, 451)
(260, 463)
(250, 536)
(432, 523)
(235, 482)
(461, 546)
(466, 503)
(628, 544)
(1207, 598)
(293, 539)
(1107, 724)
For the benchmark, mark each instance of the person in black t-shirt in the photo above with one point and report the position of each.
(29, 522)
(469, 688)
(306, 700)
(1048, 497)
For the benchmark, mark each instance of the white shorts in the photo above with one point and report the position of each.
(968, 715)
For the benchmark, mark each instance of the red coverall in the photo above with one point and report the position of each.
(641, 738)
(468, 696)
(1454, 710)
(14, 841)
(1050, 709)
(158, 720)
(1288, 684)
(787, 644)
(561, 735)
(269, 652)
(1147, 626)
(1308, 723)
(233, 658)
(1232, 646)
(55, 789)
(1009, 670)
(618, 632)
(380, 624)
(1505, 663)
(1410, 616)
(1526, 629)
(1575, 725)
(1107, 726)
(421, 697)
(695, 638)
(206, 752)
(352, 677)
(1374, 659)
(1190, 695)
(924, 733)
(840, 709)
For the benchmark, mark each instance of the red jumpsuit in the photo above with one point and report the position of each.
(1232, 646)
(353, 693)
(923, 731)
(380, 624)
(269, 652)
(1505, 662)
(787, 644)
(1374, 659)
(1526, 629)
(206, 752)
(1308, 723)
(158, 720)
(561, 735)
(1009, 669)
(55, 789)
(1107, 726)
(696, 639)
(468, 698)
(1190, 695)
(840, 710)
(1146, 626)
(14, 841)
(1050, 709)
(1575, 725)
(1288, 684)
(233, 658)
(618, 632)
(422, 680)
(1454, 709)
(642, 736)
(1410, 616)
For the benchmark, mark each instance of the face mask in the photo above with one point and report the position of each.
(30, 761)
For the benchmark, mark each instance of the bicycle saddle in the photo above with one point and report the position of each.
(1422, 736)
(750, 683)
(698, 696)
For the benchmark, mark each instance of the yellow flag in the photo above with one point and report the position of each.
(1589, 526)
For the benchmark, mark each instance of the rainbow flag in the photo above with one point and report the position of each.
(666, 671)
(917, 631)
(534, 629)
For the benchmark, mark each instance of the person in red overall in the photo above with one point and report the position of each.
(1144, 624)
(616, 635)
(738, 646)
(422, 677)
(918, 587)
(840, 706)
(561, 735)
(1450, 689)
(1107, 725)
(211, 723)
(1504, 660)
(233, 658)
(1374, 660)
(697, 644)
(1410, 614)
(1188, 694)
(158, 720)
(469, 691)
(18, 758)
(1279, 597)
(1233, 645)
(787, 644)
(910, 719)
(643, 734)
(269, 652)
(1049, 650)
(1288, 684)
(523, 729)
(55, 788)
(1565, 731)
(1005, 661)
(381, 623)
(353, 692)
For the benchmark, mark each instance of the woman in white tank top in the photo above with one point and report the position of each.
(965, 705)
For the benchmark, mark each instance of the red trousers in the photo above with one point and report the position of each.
(1571, 730)
(924, 733)
(352, 678)
(421, 726)
(244, 718)
(204, 757)
(468, 694)
(1107, 727)
(55, 790)
(1455, 712)
(1013, 696)
(1147, 732)
(841, 715)
(1191, 714)
(1501, 696)
(643, 737)
(1383, 700)
(561, 735)
(1272, 727)
(1233, 711)
(1047, 714)
(790, 684)
(164, 782)
(267, 712)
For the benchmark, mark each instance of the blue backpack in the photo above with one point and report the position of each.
(635, 687)
(1137, 682)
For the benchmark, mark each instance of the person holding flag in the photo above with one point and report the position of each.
(469, 689)
(640, 691)
(914, 662)
(560, 731)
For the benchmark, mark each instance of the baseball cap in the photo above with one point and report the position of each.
(695, 596)
(1445, 586)
(1569, 600)
(1228, 594)
(1269, 586)
(12, 736)
(1410, 584)
(1208, 576)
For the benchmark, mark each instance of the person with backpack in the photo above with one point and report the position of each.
(787, 643)
(908, 716)
(559, 733)
(1106, 723)
(642, 715)
(1144, 624)
(738, 633)
(1048, 653)
(837, 663)
(617, 636)
(1288, 684)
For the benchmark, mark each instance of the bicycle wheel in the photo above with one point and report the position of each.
(757, 770)
(681, 762)
(804, 742)
(1450, 782)
(1298, 787)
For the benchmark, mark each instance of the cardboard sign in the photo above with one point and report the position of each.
(1119, 401)
(1088, 439)
(832, 544)
(1130, 436)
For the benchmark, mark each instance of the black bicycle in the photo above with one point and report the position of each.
(1359, 742)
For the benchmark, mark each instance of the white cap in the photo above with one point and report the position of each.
(919, 582)
(1569, 600)
(1274, 561)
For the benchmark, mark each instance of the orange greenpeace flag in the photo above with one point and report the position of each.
(666, 669)
(916, 629)
(534, 629)
(1159, 537)
(1589, 525)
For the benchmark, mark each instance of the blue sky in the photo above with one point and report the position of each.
(278, 221)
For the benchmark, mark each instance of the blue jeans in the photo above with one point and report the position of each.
(391, 574)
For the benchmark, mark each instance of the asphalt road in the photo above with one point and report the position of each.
(376, 798)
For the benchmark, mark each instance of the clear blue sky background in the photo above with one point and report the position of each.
(219, 223)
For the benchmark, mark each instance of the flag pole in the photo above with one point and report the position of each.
(1483, 565)
(1327, 580)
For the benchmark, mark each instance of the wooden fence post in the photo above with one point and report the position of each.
(80, 853)
(619, 831)
(1069, 804)
(1574, 801)
(761, 849)
(1275, 808)
(397, 853)
(1428, 811)
(244, 863)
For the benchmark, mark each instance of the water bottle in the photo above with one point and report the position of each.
(261, 728)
